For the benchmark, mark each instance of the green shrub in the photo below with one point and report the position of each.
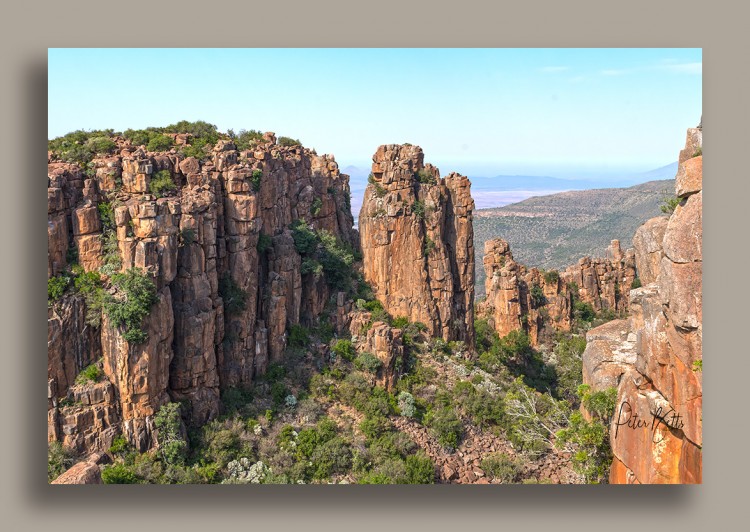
(119, 445)
(379, 190)
(344, 349)
(246, 139)
(419, 469)
(502, 467)
(89, 374)
(600, 404)
(80, 146)
(569, 367)
(400, 323)
(670, 204)
(537, 296)
(532, 417)
(59, 459)
(56, 287)
(299, 336)
(161, 183)
(196, 150)
(119, 474)
(288, 141)
(445, 426)
(425, 177)
(636, 283)
(305, 239)
(187, 237)
(429, 246)
(168, 423)
(316, 206)
(698, 365)
(583, 311)
(589, 441)
(159, 143)
(141, 137)
(235, 298)
(418, 209)
(406, 404)
(235, 399)
(264, 243)
(551, 277)
(367, 362)
(311, 267)
(136, 295)
(101, 144)
(255, 179)
(698, 151)
(331, 457)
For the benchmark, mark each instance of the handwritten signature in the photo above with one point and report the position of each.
(670, 419)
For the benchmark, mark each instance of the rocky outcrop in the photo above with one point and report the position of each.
(228, 277)
(662, 383)
(539, 302)
(417, 242)
(84, 472)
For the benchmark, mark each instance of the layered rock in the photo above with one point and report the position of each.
(537, 302)
(223, 303)
(662, 385)
(416, 233)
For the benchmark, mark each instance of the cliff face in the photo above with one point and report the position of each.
(659, 375)
(229, 280)
(536, 302)
(417, 242)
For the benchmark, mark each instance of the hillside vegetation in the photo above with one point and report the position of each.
(555, 231)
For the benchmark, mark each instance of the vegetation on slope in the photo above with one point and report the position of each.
(554, 231)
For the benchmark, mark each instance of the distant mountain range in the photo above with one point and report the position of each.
(556, 230)
(502, 190)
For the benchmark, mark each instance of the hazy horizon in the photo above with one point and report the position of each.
(567, 113)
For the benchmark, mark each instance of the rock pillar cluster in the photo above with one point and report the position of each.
(416, 234)
(539, 302)
(219, 249)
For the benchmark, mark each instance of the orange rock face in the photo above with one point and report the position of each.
(204, 231)
(663, 386)
(416, 234)
(538, 302)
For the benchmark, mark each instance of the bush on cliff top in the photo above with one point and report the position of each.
(288, 141)
(159, 143)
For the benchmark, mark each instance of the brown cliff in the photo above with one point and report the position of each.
(661, 379)
(417, 242)
(540, 303)
(220, 252)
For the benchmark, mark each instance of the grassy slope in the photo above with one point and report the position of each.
(555, 231)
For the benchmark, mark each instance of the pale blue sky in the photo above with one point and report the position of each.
(560, 112)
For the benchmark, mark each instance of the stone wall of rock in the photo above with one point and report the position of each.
(519, 298)
(200, 237)
(661, 379)
(416, 234)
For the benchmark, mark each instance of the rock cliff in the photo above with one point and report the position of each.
(217, 239)
(658, 360)
(417, 242)
(542, 302)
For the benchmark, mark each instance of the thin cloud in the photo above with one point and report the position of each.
(665, 66)
(554, 69)
(684, 68)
